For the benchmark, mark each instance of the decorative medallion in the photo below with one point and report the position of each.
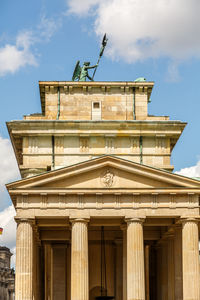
(107, 178)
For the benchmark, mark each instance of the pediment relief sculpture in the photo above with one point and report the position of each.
(107, 178)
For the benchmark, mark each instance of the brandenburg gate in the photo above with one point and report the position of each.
(99, 212)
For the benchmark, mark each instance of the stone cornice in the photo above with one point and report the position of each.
(105, 191)
(96, 83)
(171, 129)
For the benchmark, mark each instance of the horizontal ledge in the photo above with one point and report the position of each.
(96, 83)
(106, 191)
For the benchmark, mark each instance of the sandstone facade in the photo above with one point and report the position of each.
(101, 160)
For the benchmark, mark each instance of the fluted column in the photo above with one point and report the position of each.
(164, 271)
(159, 271)
(170, 236)
(147, 253)
(124, 229)
(24, 261)
(178, 263)
(118, 270)
(135, 260)
(190, 252)
(79, 260)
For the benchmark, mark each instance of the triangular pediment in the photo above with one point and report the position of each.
(106, 172)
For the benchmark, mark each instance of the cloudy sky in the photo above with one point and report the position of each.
(42, 40)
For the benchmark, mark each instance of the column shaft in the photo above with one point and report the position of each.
(119, 270)
(147, 250)
(171, 268)
(79, 260)
(135, 260)
(48, 271)
(124, 229)
(190, 246)
(164, 270)
(178, 264)
(24, 261)
(159, 271)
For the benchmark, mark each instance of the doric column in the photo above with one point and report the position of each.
(190, 252)
(124, 229)
(79, 260)
(24, 260)
(170, 236)
(164, 270)
(38, 274)
(147, 253)
(178, 263)
(68, 284)
(48, 272)
(159, 270)
(135, 260)
(118, 270)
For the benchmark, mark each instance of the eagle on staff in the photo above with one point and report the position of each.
(81, 73)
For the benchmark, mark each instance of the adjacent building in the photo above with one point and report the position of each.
(94, 158)
(7, 275)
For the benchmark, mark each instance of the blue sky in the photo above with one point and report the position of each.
(42, 40)
(58, 38)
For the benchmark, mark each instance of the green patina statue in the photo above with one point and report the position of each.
(81, 73)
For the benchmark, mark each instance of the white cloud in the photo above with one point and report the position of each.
(193, 171)
(13, 57)
(142, 29)
(82, 7)
(7, 222)
(47, 28)
(20, 54)
(8, 172)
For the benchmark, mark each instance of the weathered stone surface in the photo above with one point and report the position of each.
(106, 160)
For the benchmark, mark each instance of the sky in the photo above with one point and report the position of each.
(42, 40)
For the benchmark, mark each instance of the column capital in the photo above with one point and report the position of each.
(195, 219)
(79, 220)
(134, 220)
(31, 221)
